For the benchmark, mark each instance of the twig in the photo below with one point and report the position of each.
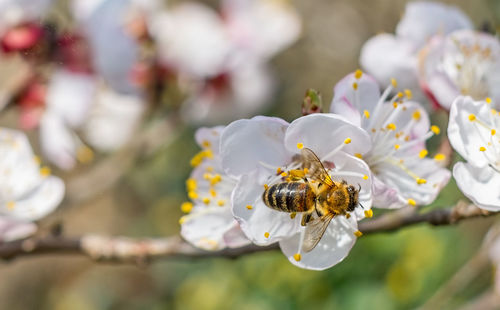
(123, 249)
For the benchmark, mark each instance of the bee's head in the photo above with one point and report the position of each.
(353, 197)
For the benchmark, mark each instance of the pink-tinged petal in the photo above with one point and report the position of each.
(11, 229)
(385, 196)
(210, 137)
(397, 179)
(350, 102)
(261, 224)
(386, 56)
(57, 142)
(422, 20)
(38, 203)
(247, 143)
(334, 246)
(442, 89)
(70, 95)
(206, 228)
(324, 132)
(465, 136)
(235, 237)
(479, 184)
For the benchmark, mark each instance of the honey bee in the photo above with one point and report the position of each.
(316, 196)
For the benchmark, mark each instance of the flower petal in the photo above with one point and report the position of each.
(247, 143)
(261, 224)
(333, 247)
(465, 136)
(386, 56)
(324, 132)
(11, 229)
(350, 102)
(423, 19)
(57, 142)
(38, 203)
(479, 184)
(235, 237)
(206, 228)
(210, 135)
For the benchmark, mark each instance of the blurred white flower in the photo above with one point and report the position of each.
(210, 224)
(258, 150)
(15, 12)
(113, 119)
(27, 192)
(465, 63)
(474, 133)
(398, 128)
(220, 59)
(387, 56)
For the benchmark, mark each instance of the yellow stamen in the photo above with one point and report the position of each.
(45, 171)
(297, 173)
(412, 202)
(355, 86)
(210, 169)
(278, 171)
(84, 154)
(423, 153)
(266, 234)
(408, 93)
(439, 156)
(297, 257)
(394, 82)
(213, 193)
(397, 146)
(347, 215)
(182, 220)
(11, 205)
(366, 113)
(192, 195)
(369, 213)
(400, 95)
(221, 203)
(306, 171)
(266, 186)
(391, 126)
(482, 149)
(284, 174)
(365, 177)
(358, 234)
(249, 207)
(493, 132)
(216, 179)
(421, 181)
(395, 105)
(300, 145)
(293, 215)
(472, 117)
(435, 129)
(191, 184)
(416, 115)
(186, 207)
(358, 74)
(206, 144)
(488, 100)
(37, 160)
(206, 200)
(358, 155)
(347, 140)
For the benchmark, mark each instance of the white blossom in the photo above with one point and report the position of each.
(256, 151)
(398, 129)
(210, 224)
(27, 191)
(386, 56)
(473, 133)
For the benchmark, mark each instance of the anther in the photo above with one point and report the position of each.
(394, 82)
(347, 141)
(366, 114)
(439, 156)
(369, 213)
(435, 129)
(358, 74)
(472, 117)
(482, 149)
(249, 207)
(423, 153)
(416, 115)
(297, 257)
(266, 234)
(358, 234)
(300, 145)
(186, 207)
(412, 202)
(421, 181)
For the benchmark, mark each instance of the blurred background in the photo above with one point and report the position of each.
(398, 270)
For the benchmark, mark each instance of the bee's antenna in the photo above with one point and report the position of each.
(359, 187)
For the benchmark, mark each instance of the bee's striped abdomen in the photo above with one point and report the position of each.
(289, 197)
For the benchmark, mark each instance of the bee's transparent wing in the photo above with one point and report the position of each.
(315, 230)
(316, 169)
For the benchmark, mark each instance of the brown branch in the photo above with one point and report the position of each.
(123, 249)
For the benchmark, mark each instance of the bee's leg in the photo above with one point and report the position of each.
(306, 218)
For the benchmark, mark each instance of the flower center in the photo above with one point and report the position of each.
(470, 68)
